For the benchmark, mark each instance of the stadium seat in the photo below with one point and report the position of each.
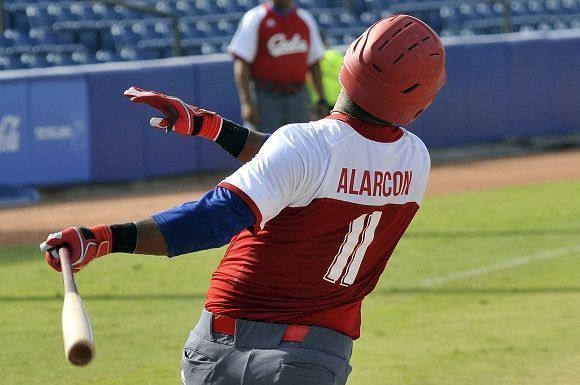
(230, 6)
(59, 59)
(124, 35)
(534, 7)
(570, 6)
(60, 12)
(145, 30)
(552, 7)
(124, 13)
(104, 11)
(497, 9)
(164, 6)
(368, 17)
(130, 53)
(451, 20)
(33, 60)
(482, 10)
(184, 8)
(17, 37)
(192, 50)
(189, 30)
(466, 11)
(226, 27)
(326, 20)
(544, 27)
(209, 28)
(83, 11)
(10, 63)
(83, 57)
(347, 19)
(208, 48)
(517, 8)
(106, 56)
(247, 4)
(38, 16)
(206, 7)
(44, 36)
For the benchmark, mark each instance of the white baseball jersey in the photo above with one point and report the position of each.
(331, 199)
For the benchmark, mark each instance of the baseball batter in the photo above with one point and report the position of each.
(311, 220)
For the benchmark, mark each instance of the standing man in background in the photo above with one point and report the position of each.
(275, 47)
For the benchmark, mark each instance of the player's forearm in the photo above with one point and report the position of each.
(316, 75)
(140, 237)
(241, 142)
(253, 144)
(150, 240)
(242, 77)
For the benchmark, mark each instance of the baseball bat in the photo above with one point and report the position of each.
(79, 347)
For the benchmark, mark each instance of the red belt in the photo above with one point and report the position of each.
(226, 325)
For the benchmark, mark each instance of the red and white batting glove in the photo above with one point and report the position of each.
(84, 244)
(180, 117)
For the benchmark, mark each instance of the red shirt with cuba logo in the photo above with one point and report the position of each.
(279, 47)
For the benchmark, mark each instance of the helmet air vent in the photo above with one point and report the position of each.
(408, 90)
(413, 46)
(399, 58)
(377, 68)
(383, 45)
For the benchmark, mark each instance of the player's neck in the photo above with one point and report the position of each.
(345, 105)
(282, 6)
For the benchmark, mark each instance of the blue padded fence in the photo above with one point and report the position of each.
(73, 125)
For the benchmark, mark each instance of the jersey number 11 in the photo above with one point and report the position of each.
(347, 261)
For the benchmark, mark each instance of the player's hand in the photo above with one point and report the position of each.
(178, 116)
(84, 244)
(250, 113)
(322, 109)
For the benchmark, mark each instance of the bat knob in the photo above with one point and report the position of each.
(81, 354)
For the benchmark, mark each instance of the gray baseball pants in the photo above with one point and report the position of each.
(277, 110)
(256, 355)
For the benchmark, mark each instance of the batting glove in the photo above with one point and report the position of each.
(178, 116)
(84, 244)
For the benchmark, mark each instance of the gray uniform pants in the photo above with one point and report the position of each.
(257, 356)
(277, 110)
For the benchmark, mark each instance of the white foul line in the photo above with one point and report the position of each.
(501, 266)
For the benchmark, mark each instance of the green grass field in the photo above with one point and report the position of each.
(484, 289)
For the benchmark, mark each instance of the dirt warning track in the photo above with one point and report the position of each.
(31, 224)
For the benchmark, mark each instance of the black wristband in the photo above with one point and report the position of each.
(124, 237)
(232, 137)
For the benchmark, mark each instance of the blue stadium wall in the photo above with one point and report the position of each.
(73, 125)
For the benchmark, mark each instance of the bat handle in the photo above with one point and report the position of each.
(67, 273)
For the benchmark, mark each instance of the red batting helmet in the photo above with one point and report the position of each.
(394, 69)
